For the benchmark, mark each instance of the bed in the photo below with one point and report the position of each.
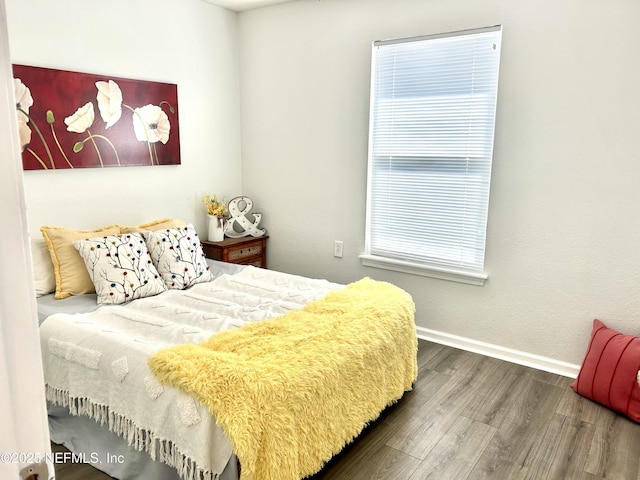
(244, 373)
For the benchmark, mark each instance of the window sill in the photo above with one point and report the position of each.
(418, 269)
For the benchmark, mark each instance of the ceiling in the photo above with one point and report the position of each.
(241, 5)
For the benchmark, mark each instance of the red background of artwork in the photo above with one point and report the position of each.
(63, 92)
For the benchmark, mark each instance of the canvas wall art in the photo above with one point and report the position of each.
(79, 120)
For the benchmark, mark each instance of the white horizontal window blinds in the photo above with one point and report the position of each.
(431, 142)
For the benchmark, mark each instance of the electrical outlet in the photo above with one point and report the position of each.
(337, 248)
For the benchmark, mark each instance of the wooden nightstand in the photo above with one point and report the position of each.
(244, 251)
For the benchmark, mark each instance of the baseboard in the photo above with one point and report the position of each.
(514, 356)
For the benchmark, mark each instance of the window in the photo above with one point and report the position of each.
(433, 105)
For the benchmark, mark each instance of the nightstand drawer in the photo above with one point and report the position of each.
(238, 254)
(244, 251)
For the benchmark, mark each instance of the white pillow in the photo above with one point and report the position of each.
(120, 267)
(44, 276)
(178, 256)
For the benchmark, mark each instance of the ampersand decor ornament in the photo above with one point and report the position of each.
(238, 224)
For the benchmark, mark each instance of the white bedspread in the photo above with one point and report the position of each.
(96, 363)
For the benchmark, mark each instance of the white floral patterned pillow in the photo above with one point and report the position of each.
(120, 267)
(178, 256)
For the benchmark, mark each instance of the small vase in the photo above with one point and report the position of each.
(216, 229)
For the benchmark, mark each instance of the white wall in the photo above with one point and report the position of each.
(563, 231)
(562, 228)
(190, 43)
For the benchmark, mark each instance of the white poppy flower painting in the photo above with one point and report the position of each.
(80, 120)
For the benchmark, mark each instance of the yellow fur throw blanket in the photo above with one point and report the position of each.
(291, 392)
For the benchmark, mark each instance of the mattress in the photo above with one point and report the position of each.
(233, 370)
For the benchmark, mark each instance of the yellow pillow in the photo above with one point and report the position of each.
(155, 226)
(70, 270)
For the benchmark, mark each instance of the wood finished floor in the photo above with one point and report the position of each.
(471, 417)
